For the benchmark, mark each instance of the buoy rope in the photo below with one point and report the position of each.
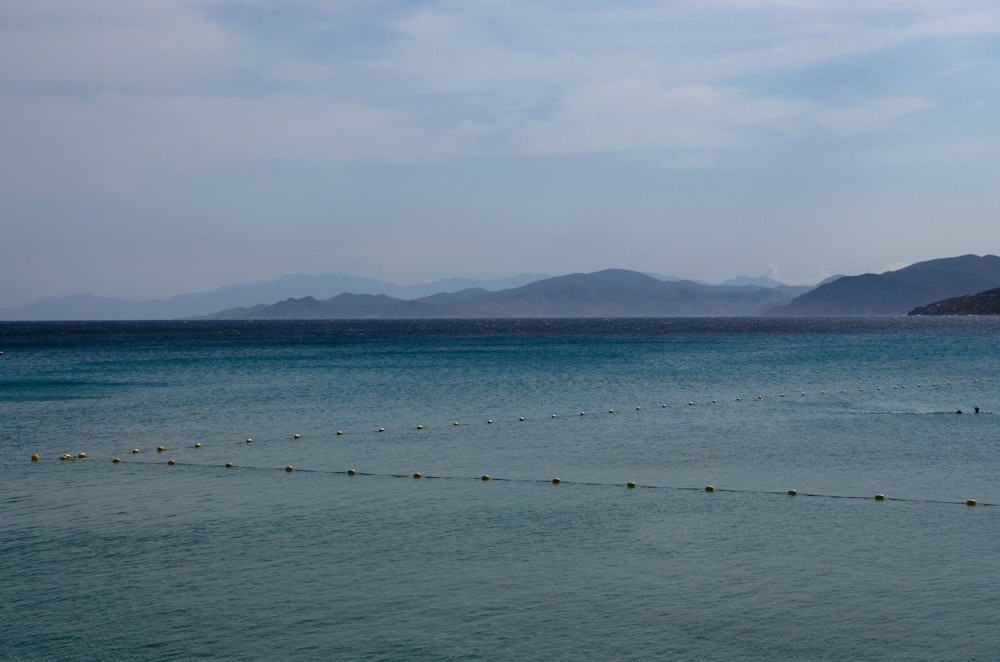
(557, 481)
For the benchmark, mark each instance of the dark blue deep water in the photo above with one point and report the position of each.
(144, 559)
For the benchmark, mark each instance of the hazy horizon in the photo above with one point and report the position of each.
(179, 146)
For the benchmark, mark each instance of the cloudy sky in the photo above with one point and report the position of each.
(164, 146)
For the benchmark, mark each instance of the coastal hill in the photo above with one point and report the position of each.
(984, 303)
(897, 292)
(608, 293)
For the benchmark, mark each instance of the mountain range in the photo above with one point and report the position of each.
(608, 293)
(90, 307)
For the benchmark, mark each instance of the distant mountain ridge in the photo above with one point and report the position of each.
(608, 293)
(89, 307)
(898, 292)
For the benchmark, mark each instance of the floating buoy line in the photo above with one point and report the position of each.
(613, 411)
(630, 485)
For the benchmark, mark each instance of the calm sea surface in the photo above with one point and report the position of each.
(153, 560)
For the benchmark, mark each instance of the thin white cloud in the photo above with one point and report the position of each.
(869, 115)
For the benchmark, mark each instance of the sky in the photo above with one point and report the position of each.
(167, 146)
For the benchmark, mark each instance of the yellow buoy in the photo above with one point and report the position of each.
(289, 468)
(880, 497)
(296, 436)
(455, 423)
(82, 455)
(64, 456)
(135, 451)
(417, 474)
(630, 484)
(351, 472)
(229, 465)
(197, 444)
(792, 492)
(556, 481)
(116, 460)
(171, 462)
(340, 433)
(484, 477)
(709, 488)
(160, 449)
(970, 502)
(34, 457)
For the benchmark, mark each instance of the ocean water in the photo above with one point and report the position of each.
(144, 559)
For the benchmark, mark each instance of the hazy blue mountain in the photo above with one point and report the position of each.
(608, 293)
(983, 303)
(898, 292)
(88, 307)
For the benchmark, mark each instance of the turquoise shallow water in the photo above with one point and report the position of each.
(146, 560)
